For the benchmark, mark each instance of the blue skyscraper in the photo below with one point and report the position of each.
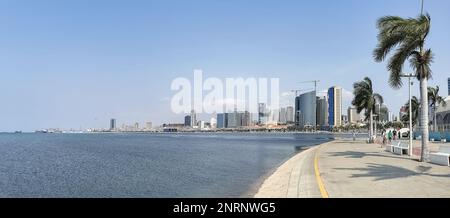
(335, 106)
(222, 121)
(448, 84)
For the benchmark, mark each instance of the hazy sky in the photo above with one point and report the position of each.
(71, 64)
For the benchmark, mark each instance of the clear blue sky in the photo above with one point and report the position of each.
(78, 63)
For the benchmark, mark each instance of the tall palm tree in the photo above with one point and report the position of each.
(415, 111)
(405, 38)
(366, 99)
(435, 100)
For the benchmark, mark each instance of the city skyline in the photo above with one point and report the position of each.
(78, 64)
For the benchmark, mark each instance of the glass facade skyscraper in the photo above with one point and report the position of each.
(187, 120)
(233, 120)
(322, 113)
(335, 106)
(305, 109)
(112, 124)
(222, 120)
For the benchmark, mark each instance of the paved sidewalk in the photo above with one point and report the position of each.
(294, 179)
(357, 169)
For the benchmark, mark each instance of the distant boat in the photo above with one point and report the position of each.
(17, 131)
(41, 131)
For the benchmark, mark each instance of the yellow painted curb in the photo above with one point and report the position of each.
(322, 189)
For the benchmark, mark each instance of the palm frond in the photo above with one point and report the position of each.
(406, 36)
(396, 62)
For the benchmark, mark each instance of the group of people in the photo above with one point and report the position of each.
(391, 135)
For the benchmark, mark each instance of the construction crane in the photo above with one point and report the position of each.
(297, 91)
(313, 81)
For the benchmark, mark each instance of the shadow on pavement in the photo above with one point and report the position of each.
(356, 154)
(385, 172)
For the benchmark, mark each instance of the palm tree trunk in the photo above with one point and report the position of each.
(424, 118)
(371, 126)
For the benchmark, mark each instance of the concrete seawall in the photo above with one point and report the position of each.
(294, 179)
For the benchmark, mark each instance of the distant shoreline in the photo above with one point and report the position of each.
(357, 134)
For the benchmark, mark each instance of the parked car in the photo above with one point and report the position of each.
(404, 132)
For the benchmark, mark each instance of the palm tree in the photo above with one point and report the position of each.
(435, 100)
(415, 111)
(405, 38)
(366, 99)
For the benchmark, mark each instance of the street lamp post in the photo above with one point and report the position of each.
(421, 9)
(374, 137)
(409, 76)
(376, 119)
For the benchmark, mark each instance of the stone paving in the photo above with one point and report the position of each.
(357, 169)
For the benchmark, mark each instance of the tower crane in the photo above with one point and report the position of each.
(313, 81)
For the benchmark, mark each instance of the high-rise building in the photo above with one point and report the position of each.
(187, 120)
(391, 117)
(263, 114)
(290, 114)
(273, 116)
(112, 124)
(148, 125)
(353, 116)
(448, 84)
(246, 119)
(335, 106)
(234, 120)
(305, 109)
(193, 118)
(282, 116)
(136, 126)
(222, 120)
(383, 113)
(322, 111)
(239, 117)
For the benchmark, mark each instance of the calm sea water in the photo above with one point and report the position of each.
(142, 165)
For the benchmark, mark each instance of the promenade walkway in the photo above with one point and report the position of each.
(356, 169)
(294, 179)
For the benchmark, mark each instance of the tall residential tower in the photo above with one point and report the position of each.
(322, 111)
(112, 125)
(353, 116)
